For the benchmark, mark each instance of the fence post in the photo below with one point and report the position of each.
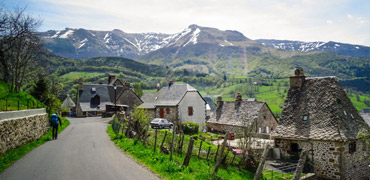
(262, 163)
(6, 104)
(27, 103)
(200, 148)
(188, 154)
(218, 146)
(173, 140)
(219, 158)
(18, 103)
(209, 150)
(155, 141)
(165, 135)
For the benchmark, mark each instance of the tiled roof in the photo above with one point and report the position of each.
(330, 113)
(231, 114)
(366, 117)
(211, 104)
(167, 96)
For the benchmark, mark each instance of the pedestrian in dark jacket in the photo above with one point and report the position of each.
(55, 121)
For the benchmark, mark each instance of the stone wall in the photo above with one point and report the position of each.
(356, 165)
(331, 160)
(172, 114)
(20, 127)
(266, 120)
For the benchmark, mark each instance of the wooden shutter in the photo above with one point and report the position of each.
(161, 113)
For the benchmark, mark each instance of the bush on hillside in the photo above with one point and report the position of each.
(190, 128)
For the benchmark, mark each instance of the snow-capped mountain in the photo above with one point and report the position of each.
(335, 47)
(82, 43)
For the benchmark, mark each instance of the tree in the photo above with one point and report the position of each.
(19, 46)
(249, 132)
(40, 89)
(137, 122)
(137, 89)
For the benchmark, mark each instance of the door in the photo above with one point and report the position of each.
(161, 113)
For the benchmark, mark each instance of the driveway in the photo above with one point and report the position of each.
(82, 151)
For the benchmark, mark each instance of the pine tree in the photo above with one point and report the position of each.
(40, 89)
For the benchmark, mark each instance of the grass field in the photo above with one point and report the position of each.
(160, 163)
(77, 75)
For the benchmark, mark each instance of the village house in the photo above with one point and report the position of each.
(93, 99)
(177, 103)
(233, 116)
(68, 104)
(319, 117)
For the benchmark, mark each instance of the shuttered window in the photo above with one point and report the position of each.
(190, 110)
(161, 113)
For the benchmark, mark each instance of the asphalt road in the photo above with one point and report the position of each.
(82, 151)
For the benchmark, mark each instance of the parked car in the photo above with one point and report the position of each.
(160, 123)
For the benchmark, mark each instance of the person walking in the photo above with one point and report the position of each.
(55, 121)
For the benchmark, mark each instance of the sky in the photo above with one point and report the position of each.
(346, 21)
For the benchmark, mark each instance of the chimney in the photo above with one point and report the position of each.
(238, 100)
(80, 84)
(126, 86)
(297, 80)
(220, 103)
(111, 78)
(170, 83)
(158, 86)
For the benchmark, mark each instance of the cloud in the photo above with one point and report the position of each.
(349, 16)
(306, 20)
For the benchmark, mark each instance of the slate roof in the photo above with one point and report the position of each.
(68, 103)
(366, 118)
(211, 104)
(331, 114)
(167, 96)
(230, 115)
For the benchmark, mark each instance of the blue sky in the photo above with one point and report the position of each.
(346, 21)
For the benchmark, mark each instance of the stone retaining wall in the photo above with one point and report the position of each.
(20, 127)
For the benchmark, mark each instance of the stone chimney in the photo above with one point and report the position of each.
(297, 80)
(111, 78)
(126, 86)
(220, 103)
(80, 84)
(170, 83)
(238, 100)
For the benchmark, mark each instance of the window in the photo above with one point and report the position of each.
(263, 130)
(352, 116)
(294, 147)
(339, 101)
(264, 117)
(161, 113)
(345, 113)
(352, 147)
(168, 110)
(190, 110)
(305, 118)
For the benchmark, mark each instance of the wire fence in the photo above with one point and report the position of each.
(11, 103)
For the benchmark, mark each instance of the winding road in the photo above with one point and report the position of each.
(83, 151)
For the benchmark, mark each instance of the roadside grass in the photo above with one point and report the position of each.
(160, 163)
(9, 101)
(13, 155)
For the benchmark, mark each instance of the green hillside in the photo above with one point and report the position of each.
(9, 101)
(271, 91)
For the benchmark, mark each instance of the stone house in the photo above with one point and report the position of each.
(92, 99)
(232, 116)
(319, 117)
(177, 103)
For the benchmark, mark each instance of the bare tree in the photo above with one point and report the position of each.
(19, 46)
(249, 132)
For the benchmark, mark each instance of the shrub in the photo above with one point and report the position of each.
(190, 128)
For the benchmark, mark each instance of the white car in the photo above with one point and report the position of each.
(160, 123)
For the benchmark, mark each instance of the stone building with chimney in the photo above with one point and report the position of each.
(319, 117)
(233, 116)
(93, 99)
(177, 103)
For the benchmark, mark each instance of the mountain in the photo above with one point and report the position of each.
(335, 47)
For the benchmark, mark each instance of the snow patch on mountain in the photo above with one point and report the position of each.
(231, 44)
(194, 38)
(66, 34)
(82, 43)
